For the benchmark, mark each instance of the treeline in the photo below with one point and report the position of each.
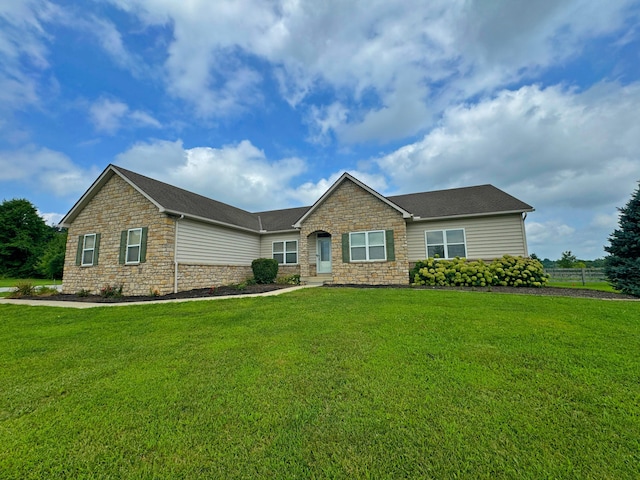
(29, 248)
(569, 260)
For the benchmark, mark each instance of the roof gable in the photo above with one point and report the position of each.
(168, 199)
(346, 177)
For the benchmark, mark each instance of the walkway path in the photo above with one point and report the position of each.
(53, 303)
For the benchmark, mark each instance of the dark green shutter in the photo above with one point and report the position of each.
(391, 251)
(96, 250)
(79, 251)
(123, 247)
(346, 257)
(143, 244)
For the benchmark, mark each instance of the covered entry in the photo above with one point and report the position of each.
(323, 253)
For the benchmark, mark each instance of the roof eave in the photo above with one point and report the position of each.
(207, 220)
(471, 215)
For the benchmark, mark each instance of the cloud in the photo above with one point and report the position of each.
(238, 174)
(546, 146)
(23, 52)
(392, 66)
(108, 116)
(45, 170)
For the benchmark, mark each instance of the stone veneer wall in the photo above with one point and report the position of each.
(201, 276)
(116, 207)
(350, 208)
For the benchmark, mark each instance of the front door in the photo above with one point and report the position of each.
(324, 255)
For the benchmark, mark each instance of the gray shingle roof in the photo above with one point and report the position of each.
(478, 200)
(184, 202)
(481, 199)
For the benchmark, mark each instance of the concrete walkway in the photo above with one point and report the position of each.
(53, 303)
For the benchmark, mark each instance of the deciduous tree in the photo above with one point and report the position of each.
(23, 236)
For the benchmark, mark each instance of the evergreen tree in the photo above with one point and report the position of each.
(23, 236)
(622, 266)
(567, 260)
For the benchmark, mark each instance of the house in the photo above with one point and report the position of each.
(131, 230)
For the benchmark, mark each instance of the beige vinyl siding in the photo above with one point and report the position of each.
(206, 244)
(486, 237)
(266, 242)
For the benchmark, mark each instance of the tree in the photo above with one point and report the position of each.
(567, 260)
(622, 266)
(23, 236)
(51, 264)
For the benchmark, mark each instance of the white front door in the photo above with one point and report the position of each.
(323, 255)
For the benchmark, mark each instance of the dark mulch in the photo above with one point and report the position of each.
(196, 293)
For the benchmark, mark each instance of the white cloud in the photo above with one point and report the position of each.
(51, 218)
(108, 116)
(552, 232)
(393, 65)
(550, 147)
(238, 174)
(23, 52)
(45, 170)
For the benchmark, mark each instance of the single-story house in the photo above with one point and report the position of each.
(131, 230)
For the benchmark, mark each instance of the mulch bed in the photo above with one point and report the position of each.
(196, 293)
(230, 290)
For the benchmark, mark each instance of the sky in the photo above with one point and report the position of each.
(263, 104)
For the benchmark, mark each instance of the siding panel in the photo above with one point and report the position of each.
(487, 237)
(201, 243)
(266, 242)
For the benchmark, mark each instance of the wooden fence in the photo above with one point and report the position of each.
(582, 275)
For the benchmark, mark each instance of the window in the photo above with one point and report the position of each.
(89, 249)
(446, 243)
(133, 246)
(134, 243)
(286, 252)
(367, 246)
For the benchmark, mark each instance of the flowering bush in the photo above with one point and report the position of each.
(506, 271)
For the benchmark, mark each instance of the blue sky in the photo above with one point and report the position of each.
(263, 104)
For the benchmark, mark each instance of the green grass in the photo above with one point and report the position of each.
(324, 383)
(12, 282)
(604, 286)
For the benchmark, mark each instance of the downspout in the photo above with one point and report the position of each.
(175, 256)
(524, 235)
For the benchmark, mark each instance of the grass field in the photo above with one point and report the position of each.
(324, 383)
(604, 286)
(12, 282)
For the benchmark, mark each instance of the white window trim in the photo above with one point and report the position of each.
(367, 246)
(285, 251)
(131, 245)
(85, 249)
(446, 243)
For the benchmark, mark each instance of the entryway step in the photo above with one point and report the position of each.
(317, 280)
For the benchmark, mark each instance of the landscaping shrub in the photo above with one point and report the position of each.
(265, 270)
(111, 291)
(506, 271)
(23, 289)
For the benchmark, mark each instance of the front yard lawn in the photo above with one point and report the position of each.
(324, 383)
